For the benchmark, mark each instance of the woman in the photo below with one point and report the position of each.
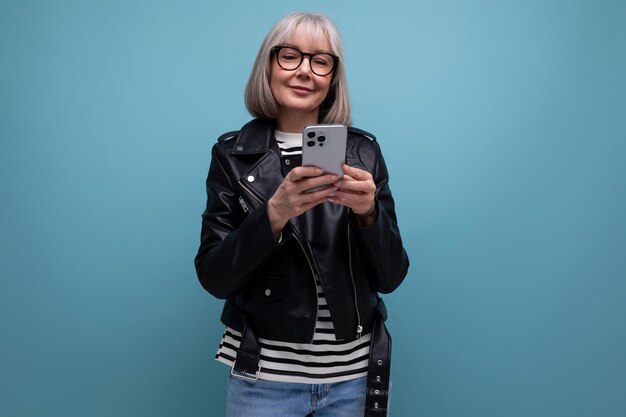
(300, 271)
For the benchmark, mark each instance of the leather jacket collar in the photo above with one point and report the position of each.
(256, 137)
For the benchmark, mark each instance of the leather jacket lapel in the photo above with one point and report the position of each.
(261, 179)
(257, 139)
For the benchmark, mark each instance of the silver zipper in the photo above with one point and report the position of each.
(243, 204)
(245, 187)
(314, 281)
(359, 327)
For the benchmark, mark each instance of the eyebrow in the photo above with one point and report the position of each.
(318, 51)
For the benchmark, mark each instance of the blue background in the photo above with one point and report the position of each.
(503, 123)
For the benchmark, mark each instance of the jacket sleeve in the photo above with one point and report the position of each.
(234, 245)
(380, 244)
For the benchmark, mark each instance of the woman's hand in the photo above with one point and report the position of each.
(292, 199)
(356, 191)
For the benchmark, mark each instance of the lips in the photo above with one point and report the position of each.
(300, 89)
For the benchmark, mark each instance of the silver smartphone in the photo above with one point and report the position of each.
(324, 146)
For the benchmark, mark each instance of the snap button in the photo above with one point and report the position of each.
(376, 392)
(240, 148)
(287, 162)
(250, 178)
(380, 363)
(268, 292)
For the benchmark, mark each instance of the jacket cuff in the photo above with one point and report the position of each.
(284, 234)
(353, 218)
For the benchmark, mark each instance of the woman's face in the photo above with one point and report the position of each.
(300, 92)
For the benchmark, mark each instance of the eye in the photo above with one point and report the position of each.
(289, 54)
(323, 60)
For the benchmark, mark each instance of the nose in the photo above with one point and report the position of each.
(305, 67)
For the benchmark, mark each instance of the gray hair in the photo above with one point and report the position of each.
(259, 99)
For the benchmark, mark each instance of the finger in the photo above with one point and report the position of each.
(309, 171)
(293, 176)
(298, 173)
(360, 203)
(344, 199)
(356, 173)
(354, 197)
(322, 194)
(327, 179)
(361, 187)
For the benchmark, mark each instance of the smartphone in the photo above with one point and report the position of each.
(325, 146)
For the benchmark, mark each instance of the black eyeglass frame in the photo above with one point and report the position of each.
(276, 49)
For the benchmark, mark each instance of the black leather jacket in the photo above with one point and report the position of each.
(270, 284)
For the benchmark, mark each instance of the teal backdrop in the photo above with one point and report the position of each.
(504, 127)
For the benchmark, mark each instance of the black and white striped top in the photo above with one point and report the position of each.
(325, 360)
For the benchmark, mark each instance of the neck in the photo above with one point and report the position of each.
(294, 122)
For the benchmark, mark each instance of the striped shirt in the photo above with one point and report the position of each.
(325, 360)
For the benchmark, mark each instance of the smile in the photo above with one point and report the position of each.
(301, 90)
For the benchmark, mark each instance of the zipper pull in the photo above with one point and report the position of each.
(244, 206)
(359, 330)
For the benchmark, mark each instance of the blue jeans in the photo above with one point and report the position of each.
(284, 399)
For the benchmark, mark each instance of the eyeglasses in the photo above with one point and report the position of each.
(290, 59)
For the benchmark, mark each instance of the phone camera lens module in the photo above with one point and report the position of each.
(310, 143)
(321, 138)
(311, 135)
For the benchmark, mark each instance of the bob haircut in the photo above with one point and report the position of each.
(259, 99)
